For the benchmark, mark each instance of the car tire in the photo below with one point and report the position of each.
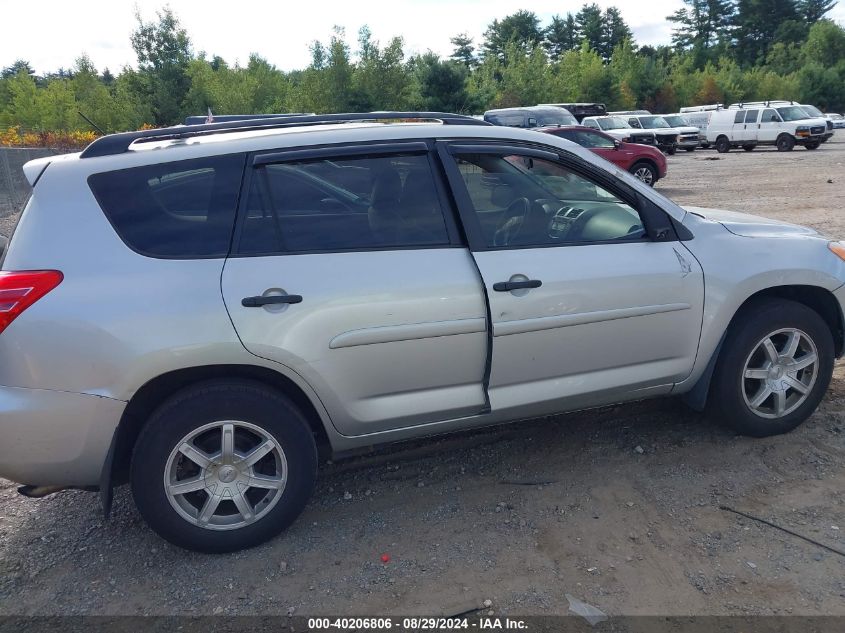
(646, 172)
(749, 148)
(812, 145)
(752, 389)
(671, 150)
(723, 145)
(192, 494)
(705, 146)
(785, 143)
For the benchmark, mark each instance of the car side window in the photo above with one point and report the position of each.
(522, 200)
(751, 116)
(770, 116)
(591, 139)
(739, 117)
(633, 122)
(343, 204)
(592, 124)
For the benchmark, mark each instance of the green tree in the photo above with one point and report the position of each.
(441, 85)
(825, 44)
(464, 51)
(163, 49)
(702, 26)
(616, 31)
(814, 10)
(755, 26)
(560, 36)
(521, 28)
(380, 80)
(590, 23)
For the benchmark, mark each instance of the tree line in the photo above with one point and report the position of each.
(721, 51)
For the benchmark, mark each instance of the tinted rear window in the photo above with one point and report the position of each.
(174, 210)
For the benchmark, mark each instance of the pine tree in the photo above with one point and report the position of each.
(814, 10)
(590, 23)
(464, 51)
(561, 36)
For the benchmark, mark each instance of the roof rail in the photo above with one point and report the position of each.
(113, 144)
(202, 119)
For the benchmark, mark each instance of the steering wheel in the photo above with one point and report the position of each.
(515, 216)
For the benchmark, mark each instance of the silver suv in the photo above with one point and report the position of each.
(199, 310)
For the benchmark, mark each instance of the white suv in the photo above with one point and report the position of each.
(748, 126)
(199, 310)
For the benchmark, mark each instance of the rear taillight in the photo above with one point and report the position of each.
(19, 290)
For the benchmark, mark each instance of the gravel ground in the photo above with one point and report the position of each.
(620, 507)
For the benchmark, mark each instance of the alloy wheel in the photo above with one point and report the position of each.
(644, 174)
(225, 475)
(780, 372)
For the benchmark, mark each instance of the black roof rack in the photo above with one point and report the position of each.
(119, 143)
(202, 119)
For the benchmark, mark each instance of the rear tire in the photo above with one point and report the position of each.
(749, 148)
(645, 172)
(204, 492)
(760, 389)
(723, 145)
(785, 143)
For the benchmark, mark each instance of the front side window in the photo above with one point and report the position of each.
(591, 124)
(522, 201)
(770, 116)
(183, 209)
(343, 204)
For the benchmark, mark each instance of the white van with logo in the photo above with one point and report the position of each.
(749, 126)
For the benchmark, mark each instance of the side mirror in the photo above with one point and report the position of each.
(617, 144)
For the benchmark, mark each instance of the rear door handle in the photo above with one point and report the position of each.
(507, 286)
(257, 302)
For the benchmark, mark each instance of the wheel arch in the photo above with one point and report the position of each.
(157, 390)
(818, 299)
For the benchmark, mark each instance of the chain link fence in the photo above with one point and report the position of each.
(14, 189)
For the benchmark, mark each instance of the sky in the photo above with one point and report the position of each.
(52, 33)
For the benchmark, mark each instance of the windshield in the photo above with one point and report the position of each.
(555, 118)
(653, 121)
(612, 123)
(812, 110)
(676, 120)
(792, 113)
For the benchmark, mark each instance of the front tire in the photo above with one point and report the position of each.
(774, 368)
(785, 143)
(671, 150)
(723, 145)
(813, 144)
(749, 147)
(645, 172)
(223, 466)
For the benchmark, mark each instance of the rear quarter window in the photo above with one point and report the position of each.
(179, 210)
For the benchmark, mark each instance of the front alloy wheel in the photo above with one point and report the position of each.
(780, 373)
(645, 173)
(773, 369)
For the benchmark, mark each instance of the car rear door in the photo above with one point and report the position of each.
(348, 269)
(586, 307)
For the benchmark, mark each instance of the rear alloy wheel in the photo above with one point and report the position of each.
(645, 172)
(774, 368)
(723, 145)
(785, 143)
(223, 466)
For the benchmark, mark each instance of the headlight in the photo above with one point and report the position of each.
(838, 249)
(678, 138)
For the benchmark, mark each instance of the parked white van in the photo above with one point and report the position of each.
(699, 116)
(749, 126)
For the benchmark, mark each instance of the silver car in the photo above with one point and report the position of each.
(198, 311)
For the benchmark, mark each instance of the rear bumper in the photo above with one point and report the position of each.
(55, 438)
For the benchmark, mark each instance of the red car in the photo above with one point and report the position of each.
(644, 161)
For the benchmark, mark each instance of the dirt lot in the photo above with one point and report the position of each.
(618, 507)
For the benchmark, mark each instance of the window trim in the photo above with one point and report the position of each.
(259, 159)
(657, 223)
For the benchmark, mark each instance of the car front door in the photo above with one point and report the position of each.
(348, 269)
(769, 126)
(592, 297)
